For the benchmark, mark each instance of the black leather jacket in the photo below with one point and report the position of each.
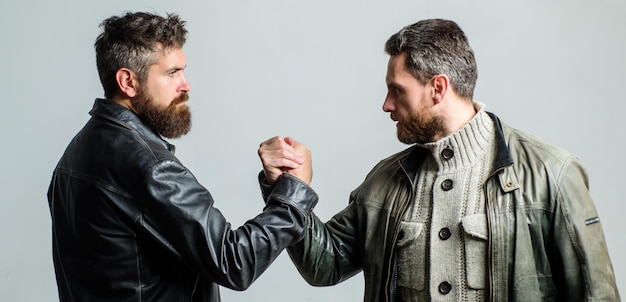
(131, 223)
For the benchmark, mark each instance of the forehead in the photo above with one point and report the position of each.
(397, 71)
(170, 58)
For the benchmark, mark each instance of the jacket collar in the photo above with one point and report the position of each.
(413, 161)
(120, 115)
(503, 156)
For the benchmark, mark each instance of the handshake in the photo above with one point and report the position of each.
(284, 155)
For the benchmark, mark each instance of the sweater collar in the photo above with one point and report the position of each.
(413, 161)
(464, 147)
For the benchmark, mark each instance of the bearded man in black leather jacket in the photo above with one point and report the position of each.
(129, 221)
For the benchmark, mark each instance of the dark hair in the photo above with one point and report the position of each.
(437, 46)
(131, 41)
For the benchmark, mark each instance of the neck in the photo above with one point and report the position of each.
(458, 115)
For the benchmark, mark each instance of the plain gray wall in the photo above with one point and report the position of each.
(313, 70)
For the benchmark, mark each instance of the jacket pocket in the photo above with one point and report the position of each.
(411, 255)
(475, 236)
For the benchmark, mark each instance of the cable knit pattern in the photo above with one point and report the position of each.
(443, 243)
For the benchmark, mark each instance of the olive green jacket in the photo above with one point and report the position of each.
(544, 238)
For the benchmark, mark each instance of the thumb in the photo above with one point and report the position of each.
(290, 141)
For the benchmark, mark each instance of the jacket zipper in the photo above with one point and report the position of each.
(489, 238)
(395, 237)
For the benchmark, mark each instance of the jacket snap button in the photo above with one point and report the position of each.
(445, 287)
(509, 184)
(445, 233)
(447, 153)
(447, 184)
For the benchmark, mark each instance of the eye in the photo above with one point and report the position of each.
(394, 90)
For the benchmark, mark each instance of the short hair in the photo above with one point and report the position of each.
(131, 41)
(437, 46)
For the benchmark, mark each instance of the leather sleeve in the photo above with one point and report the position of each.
(324, 256)
(179, 213)
(584, 271)
(328, 253)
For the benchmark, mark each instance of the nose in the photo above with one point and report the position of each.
(185, 86)
(388, 104)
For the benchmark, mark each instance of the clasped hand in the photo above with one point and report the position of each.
(284, 155)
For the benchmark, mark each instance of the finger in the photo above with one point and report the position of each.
(272, 141)
(290, 141)
(278, 148)
(282, 158)
(277, 143)
(299, 147)
(302, 149)
(271, 145)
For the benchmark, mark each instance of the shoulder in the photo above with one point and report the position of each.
(525, 145)
(125, 145)
(543, 161)
(385, 176)
(391, 163)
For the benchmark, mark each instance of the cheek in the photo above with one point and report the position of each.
(412, 104)
(164, 96)
(162, 100)
(403, 106)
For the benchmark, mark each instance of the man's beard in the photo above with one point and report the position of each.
(421, 130)
(171, 122)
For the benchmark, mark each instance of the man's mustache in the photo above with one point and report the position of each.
(183, 97)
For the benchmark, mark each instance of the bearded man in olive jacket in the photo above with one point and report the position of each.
(474, 210)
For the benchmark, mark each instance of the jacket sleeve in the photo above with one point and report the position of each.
(327, 253)
(584, 269)
(180, 214)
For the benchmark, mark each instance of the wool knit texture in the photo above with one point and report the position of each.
(442, 249)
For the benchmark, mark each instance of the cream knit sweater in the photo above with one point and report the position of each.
(442, 246)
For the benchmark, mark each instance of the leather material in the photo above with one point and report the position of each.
(131, 223)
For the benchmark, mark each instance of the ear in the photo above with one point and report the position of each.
(127, 82)
(440, 85)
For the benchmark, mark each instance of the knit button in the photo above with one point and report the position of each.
(447, 185)
(447, 153)
(445, 233)
(401, 235)
(445, 287)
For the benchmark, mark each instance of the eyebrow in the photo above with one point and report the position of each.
(394, 86)
(179, 68)
(175, 68)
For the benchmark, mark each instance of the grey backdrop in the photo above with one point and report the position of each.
(313, 70)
